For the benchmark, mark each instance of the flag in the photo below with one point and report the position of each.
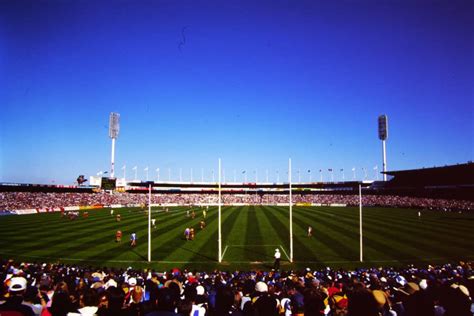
(320, 170)
(342, 169)
(354, 169)
(146, 169)
(106, 172)
(134, 168)
(123, 168)
(243, 172)
(309, 171)
(376, 167)
(330, 169)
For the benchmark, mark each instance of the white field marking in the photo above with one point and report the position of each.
(253, 245)
(225, 249)
(239, 262)
(284, 252)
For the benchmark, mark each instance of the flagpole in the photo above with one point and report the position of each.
(291, 211)
(149, 222)
(360, 223)
(219, 209)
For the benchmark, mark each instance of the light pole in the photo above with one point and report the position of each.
(113, 134)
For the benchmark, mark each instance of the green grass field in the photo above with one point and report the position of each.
(250, 235)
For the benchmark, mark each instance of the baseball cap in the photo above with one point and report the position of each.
(200, 290)
(17, 284)
(132, 281)
(261, 287)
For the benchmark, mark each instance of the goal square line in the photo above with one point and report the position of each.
(255, 245)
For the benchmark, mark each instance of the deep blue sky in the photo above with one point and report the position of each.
(251, 82)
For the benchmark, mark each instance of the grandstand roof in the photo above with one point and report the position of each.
(454, 175)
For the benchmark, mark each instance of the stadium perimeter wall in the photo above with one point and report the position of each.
(99, 207)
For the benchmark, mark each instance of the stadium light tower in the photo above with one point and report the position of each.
(113, 133)
(383, 134)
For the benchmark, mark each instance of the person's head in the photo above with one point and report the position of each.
(224, 300)
(362, 302)
(31, 294)
(89, 297)
(185, 307)
(61, 303)
(17, 286)
(166, 300)
(115, 297)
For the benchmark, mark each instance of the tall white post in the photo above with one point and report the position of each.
(112, 161)
(383, 135)
(384, 153)
(149, 222)
(220, 218)
(291, 211)
(360, 224)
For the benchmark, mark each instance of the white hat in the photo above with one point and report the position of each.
(277, 250)
(200, 290)
(132, 281)
(17, 284)
(261, 287)
(423, 284)
(110, 283)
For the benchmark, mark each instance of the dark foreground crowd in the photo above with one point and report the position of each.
(59, 289)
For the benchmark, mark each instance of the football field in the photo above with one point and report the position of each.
(250, 235)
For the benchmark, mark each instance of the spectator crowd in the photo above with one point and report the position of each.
(60, 289)
(31, 200)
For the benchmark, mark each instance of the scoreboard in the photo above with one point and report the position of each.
(108, 183)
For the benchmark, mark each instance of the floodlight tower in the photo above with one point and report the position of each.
(383, 134)
(113, 133)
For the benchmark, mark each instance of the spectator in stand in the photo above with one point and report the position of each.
(14, 302)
